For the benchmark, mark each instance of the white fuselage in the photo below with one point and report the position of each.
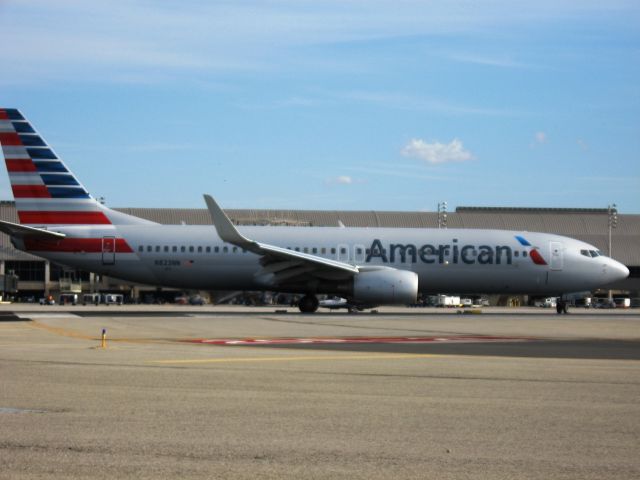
(445, 260)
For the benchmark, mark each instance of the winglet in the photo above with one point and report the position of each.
(226, 230)
(230, 234)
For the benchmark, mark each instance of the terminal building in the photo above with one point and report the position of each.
(37, 278)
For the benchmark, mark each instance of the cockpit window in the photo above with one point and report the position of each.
(591, 253)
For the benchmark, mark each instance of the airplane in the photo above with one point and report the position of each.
(60, 221)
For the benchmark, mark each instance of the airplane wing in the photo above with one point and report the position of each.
(280, 265)
(21, 231)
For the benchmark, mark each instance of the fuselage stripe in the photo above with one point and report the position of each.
(63, 218)
(75, 245)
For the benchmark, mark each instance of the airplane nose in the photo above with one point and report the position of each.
(617, 271)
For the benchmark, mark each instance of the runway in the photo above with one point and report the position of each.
(243, 392)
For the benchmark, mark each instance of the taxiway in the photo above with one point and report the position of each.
(221, 392)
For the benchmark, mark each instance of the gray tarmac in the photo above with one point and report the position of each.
(405, 393)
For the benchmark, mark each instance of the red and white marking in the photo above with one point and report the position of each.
(335, 340)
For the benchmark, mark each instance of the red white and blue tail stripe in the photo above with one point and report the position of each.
(46, 192)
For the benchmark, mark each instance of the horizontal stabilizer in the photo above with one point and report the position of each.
(21, 231)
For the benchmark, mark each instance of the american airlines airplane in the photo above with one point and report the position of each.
(61, 222)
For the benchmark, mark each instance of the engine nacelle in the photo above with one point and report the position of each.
(385, 286)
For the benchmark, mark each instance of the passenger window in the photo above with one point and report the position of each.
(333, 251)
(174, 248)
(216, 249)
(314, 250)
(191, 249)
(305, 250)
(359, 251)
(166, 248)
(158, 248)
(323, 250)
(141, 248)
(235, 249)
(149, 248)
(516, 253)
(225, 249)
(524, 254)
(343, 251)
(208, 249)
(297, 249)
(183, 249)
(199, 249)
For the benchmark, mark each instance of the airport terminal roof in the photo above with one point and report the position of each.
(590, 225)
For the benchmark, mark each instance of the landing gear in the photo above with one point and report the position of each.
(562, 307)
(308, 304)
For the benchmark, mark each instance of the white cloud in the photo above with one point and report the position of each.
(344, 180)
(436, 152)
(584, 146)
(540, 137)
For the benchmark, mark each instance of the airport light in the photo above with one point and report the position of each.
(442, 215)
(612, 212)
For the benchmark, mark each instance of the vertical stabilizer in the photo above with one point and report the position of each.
(46, 192)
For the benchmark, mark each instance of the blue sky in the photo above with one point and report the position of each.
(354, 105)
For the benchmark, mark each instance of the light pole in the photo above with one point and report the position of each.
(442, 215)
(612, 212)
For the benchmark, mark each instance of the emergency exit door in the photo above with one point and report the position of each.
(556, 255)
(108, 250)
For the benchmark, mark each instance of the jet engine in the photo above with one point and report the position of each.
(385, 286)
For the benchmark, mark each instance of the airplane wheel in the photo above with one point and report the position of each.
(562, 307)
(308, 304)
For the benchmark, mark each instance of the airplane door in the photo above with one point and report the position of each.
(556, 256)
(108, 250)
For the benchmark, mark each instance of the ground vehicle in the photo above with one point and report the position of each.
(449, 301)
(47, 300)
(192, 300)
(68, 299)
(583, 302)
(93, 298)
(622, 302)
(113, 299)
(604, 303)
(549, 302)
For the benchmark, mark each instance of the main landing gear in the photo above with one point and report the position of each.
(308, 304)
(561, 306)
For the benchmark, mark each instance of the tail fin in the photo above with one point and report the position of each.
(45, 190)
